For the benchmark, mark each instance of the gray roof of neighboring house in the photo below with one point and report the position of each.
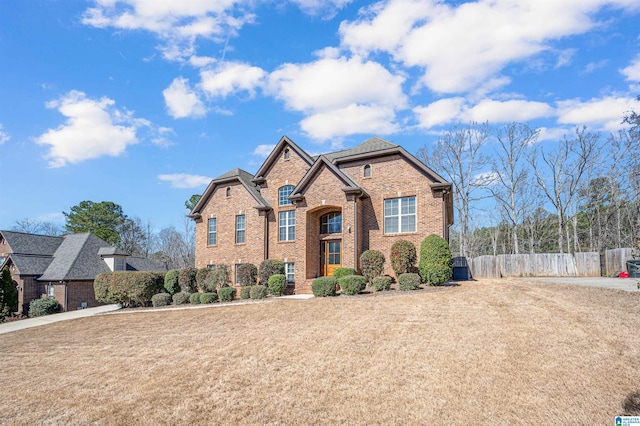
(33, 244)
(77, 259)
(31, 264)
(135, 263)
(111, 251)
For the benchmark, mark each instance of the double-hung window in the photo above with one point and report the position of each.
(287, 225)
(289, 270)
(240, 229)
(400, 215)
(212, 238)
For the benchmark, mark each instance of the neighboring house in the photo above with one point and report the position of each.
(320, 213)
(62, 267)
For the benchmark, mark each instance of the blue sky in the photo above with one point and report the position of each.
(142, 102)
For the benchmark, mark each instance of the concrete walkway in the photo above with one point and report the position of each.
(8, 327)
(626, 284)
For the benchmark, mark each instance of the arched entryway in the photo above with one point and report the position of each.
(324, 241)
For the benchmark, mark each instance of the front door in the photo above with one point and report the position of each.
(330, 257)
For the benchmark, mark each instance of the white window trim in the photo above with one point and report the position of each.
(243, 229)
(214, 232)
(400, 215)
(290, 229)
(293, 272)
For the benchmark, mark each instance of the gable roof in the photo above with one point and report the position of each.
(77, 259)
(32, 244)
(275, 154)
(29, 264)
(245, 178)
(369, 146)
(135, 263)
(350, 186)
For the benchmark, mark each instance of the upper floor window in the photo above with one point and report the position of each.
(331, 223)
(286, 154)
(240, 229)
(400, 215)
(283, 193)
(228, 192)
(212, 234)
(367, 171)
(287, 225)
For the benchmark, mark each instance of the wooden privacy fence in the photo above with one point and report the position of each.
(615, 260)
(536, 265)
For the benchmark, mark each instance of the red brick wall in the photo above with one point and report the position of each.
(78, 292)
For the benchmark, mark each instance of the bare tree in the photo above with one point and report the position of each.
(35, 226)
(510, 175)
(458, 155)
(176, 249)
(560, 173)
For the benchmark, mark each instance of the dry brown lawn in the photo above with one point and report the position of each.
(487, 352)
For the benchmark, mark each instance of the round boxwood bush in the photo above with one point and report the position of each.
(382, 283)
(226, 294)
(181, 298)
(268, 268)
(171, 281)
(245, 292)
(352, 284)
(44, 306)
(372, 264)
(194, 299)
(324, 286)
(403, 257)
(206, 298)
(161, 299)
(409, 281)
(436, 264)
(343, 272)
(277, 284)
(258, 291)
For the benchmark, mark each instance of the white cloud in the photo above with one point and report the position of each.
(460, 46)
(352, 119)
(445, 111)
(55, 217)
(181, 100)
(486, 178)
(93, 128)
(632, 72)
(328, 87)
(4, 136)
(263, 150)
(598, 113)
(231, 77)
(327, 8)
(181, 180)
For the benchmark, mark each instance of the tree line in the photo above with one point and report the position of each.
(515, 194)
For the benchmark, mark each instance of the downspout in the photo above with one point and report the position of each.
(66, 296)
(445, 226)
(266, 234)
(355, 233)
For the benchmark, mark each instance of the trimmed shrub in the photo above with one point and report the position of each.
(382, 283)
(226, 294)
(161, 299)
(206, 298)
(128, 288)
(181, 298)
(277, 284)
(372, 264)
(324, 286)
(409, 281)
(258, 291)
(245, 292)
(403, 257)
(201, 276)
(219, 276)
(44, 306)
(352, 284)
(270, 267)
(436, 264)
(171, 282)
(247, 274)
(187, 279)
(194, 299)
(343, 272)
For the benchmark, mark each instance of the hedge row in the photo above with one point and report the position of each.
(128, 288)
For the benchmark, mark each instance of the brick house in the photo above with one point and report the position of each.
(63, 267)
(320, 213)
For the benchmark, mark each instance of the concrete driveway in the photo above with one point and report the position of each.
(8, 327)
(626, 284)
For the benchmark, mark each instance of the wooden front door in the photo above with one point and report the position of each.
(330, 257)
